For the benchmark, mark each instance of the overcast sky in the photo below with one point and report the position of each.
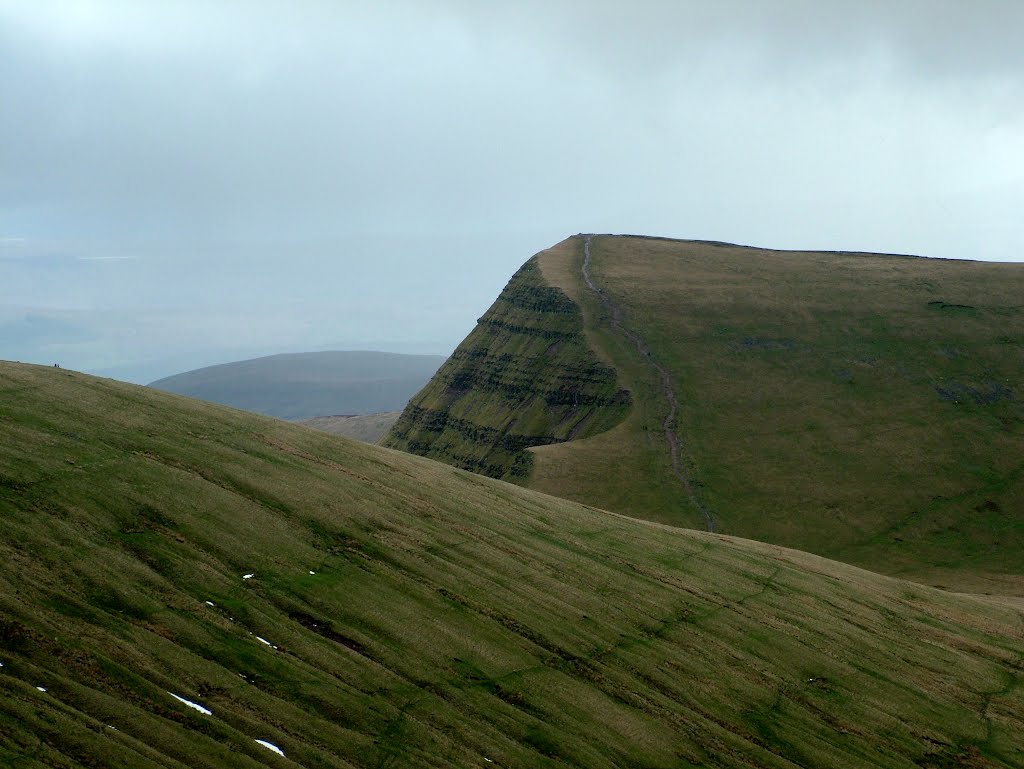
(189, 182)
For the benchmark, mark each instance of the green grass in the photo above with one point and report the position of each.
(864, 407)
(450, 617)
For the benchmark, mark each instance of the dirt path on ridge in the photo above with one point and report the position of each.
(666, 385)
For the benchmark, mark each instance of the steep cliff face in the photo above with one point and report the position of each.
(524, 377)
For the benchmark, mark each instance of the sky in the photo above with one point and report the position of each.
(188, 182)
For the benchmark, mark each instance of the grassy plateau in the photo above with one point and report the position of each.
(355, 606)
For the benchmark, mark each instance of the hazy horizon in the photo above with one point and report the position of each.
(186, 183)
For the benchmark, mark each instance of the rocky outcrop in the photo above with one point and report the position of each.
(524, 377)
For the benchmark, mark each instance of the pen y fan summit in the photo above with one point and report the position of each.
(867, 407)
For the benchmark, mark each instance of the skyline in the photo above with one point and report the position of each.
(184, 184)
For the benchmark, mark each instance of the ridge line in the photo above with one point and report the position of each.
(666, 385)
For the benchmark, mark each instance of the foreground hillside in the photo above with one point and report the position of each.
(865, 407)
(357, 607)
(309, 384)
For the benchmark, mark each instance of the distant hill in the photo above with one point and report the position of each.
(183, 584)
(310, 384)
(368, 428)
(865, 407)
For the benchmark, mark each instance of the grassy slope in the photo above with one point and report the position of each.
(369, 428)
(309, 384)
(450, 618)
(863, 407)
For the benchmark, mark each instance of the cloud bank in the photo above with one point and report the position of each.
(189, 178)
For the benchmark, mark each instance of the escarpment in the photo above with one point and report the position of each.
(524, 377)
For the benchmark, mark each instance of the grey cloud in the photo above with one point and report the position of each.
(315, 172)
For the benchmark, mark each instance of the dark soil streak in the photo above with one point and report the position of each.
(666, 385)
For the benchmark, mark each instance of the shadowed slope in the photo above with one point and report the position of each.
(524, 377)
(399, 612)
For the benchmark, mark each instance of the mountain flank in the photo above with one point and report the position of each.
(865, 407)
(312, 384)
(183, 584)
(524, 377)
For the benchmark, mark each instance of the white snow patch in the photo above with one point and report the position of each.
(248, 576)
(488, 760)
(312, 572)
(191, 704)
(265, 641)
(271, 746)
(211, 603)
(41, 688)
(1, 664)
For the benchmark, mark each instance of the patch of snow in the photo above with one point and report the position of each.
(1, 664)
(488, 760)
(271, 746)
(41, 688)
(265, 641)
(248, 576)
(312, 572)
(211, 603)
(112, 727)
(191, 704)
